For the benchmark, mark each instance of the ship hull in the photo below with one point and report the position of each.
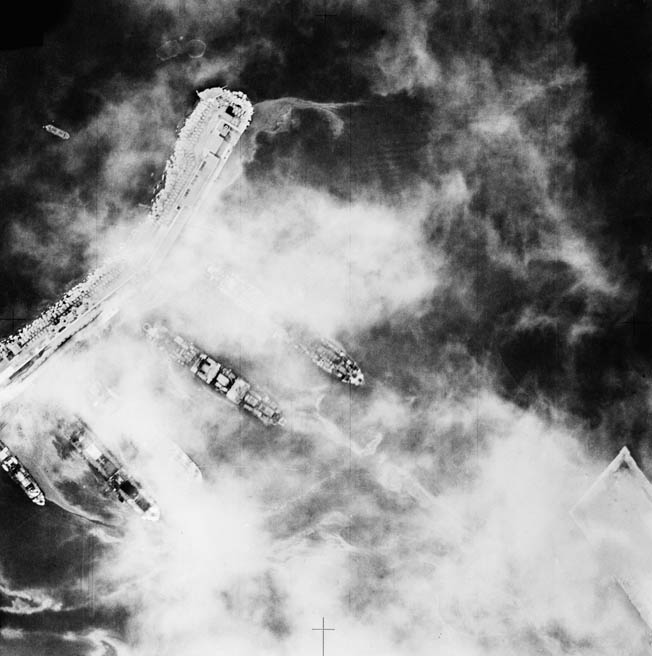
(107, 468)
(324, 353)
(19, 475)
(216, 376)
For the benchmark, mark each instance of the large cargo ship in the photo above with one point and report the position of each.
(105, 466)
(17, 472)
(326, 353)
(204, 143)
(215, 375)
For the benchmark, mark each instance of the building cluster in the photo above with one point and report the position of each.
(212, 129)
(60, 315)
(204, 144)
(106, 466)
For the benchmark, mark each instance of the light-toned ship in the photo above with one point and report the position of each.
(180, 459)
(217, 376)
(57, 132)
(101, 395)
(326, 353)
(204, 144)
(104, 464)
(329, 356)
(19, 475)
(22, 352)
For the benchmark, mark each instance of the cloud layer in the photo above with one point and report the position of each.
(431, 183)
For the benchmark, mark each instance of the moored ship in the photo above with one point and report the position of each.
(329, 356)
(17, 472)
(326, 353)
(105, 466)
(217, 376)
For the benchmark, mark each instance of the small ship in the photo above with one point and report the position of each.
(101, 394)
(57, 132)
(20, 475)
(215, 375)
(179, 458)
(329, 356)
(203, 146)
(105, 465)
(326, 353)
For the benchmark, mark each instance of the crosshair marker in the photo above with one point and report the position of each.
(323, 630)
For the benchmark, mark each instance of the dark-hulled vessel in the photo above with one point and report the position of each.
(217, 376)
(104, 464)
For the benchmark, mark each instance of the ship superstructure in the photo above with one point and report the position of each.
(327, 354)
(105, 466)
(204, 143)
(17, 472)
(217, 376)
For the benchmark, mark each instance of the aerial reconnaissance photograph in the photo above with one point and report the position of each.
(326, 328)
